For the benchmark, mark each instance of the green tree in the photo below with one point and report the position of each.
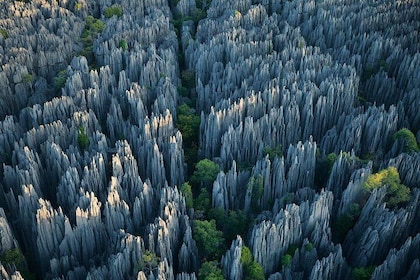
(187, 192)
(4, 33)
(246, 256)
(205, 173)
(203, 201)
(188, 123)
(397, 193)
(188, 79)
(27, 78)
(93, 27)
(210, 271)
(82, 139)
(209, 239)
(237, 224)
(256, 185)
(273, 152)
(232, 223)
(309, 246)
(15, 257)
(148, 262)
(123, 44)
(346, 222)
(363, 273)
(252, 269)
(408, 139)
(254, 272)
(286, 260)
(323, 169)
(60, 79)
(113, 11)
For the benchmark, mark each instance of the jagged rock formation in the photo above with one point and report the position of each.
(91, 158)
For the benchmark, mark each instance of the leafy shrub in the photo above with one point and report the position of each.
(187, 192)
(203, 201)
(123, 44)
(209, 239)
(78, 6)
(183, 91)
(363, 273)
(246, 256)
(82, 139)
(113, 11)
(15, 257)
(205, 173)
(188, 123)
(254, 272)
(27, 78)
(252, 269)
(291, 250)
(188, 79)
(256, 185)
(346, 222)
(286, 260)
(93, 27)
(4, 33)
(397, 193)
(273, 152)
(323, 169)
(60, 79)
(210, 271)
(408, 139)
(309, 247)
(231, 224)
(148, 262)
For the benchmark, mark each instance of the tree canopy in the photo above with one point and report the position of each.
(408, 139)
(205, 173)
(210, 271)
(209, 239)
(187, 192)
(397, 193)
(252, 269)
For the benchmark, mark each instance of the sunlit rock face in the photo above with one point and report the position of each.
(92, 160)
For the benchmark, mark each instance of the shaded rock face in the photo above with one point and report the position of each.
(91, 157)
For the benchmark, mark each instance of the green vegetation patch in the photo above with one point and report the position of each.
(27, 78)
(113, 11)
(93, 27)
(210, 242)
(363, 273)
(4, 33)
(187, 192)
(82, 139)
(210, 271)
(273, 152)
(205, 173)
(346, 222)
(286, 260)
(60, 79)
(15, 257)
(123, 44)
(148, 262)
(323, 169)
(252, 269)
(256, 186)
(408, 139)
(397, 193)
(231, 223)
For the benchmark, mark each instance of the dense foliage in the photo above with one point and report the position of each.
(209, 239)
(397, 193)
